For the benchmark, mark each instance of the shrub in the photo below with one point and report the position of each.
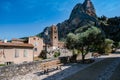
(56, 54)
(43, 54)
(2, 64)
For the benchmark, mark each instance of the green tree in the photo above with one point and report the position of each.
(71, 41)
(57, 54)
(108, 46)
(83, 41)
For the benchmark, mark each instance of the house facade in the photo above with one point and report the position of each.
(15, 53)
(20, 50)
(37, 43)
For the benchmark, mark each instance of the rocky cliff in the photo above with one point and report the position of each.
(82, 14)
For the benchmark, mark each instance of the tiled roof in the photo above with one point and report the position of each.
(15, 39)
(8, 44)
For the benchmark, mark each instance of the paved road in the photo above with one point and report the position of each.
(104, 70)
(116, 74)
(105, 65)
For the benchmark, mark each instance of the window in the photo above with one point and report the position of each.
(25, 53)
(55, 31)
(55, 28)
(34, 38)
(35, 44)
(16, 53)
(35, 49)
(55, 37)
(9, 63)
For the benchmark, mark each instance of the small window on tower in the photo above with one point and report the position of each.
(55, 28)
(34, 38)
(55, 31)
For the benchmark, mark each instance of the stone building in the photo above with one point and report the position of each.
(20, 50)
(54, 37)
(54, 41)
(37, 43)
(51, 38)
(15, 53)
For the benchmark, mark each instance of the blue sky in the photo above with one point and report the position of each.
(19, 18)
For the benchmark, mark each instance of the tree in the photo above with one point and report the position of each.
(108, 46)
(71, 41)
(83, 41)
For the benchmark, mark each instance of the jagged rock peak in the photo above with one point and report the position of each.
(81, 15)
(80, 10)
(89, 8)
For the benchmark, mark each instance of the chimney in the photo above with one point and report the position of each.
(0, 40)
(5, 41)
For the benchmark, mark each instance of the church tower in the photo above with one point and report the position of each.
(54, 37)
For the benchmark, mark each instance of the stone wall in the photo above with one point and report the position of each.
(88, 56)
(63, 53)
(7, 72)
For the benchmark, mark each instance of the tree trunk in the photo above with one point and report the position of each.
(83, 58)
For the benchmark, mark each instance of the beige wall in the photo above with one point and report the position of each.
(54, 36)
(61, 44)
(9, 55)
(13, 41)
(37, 43)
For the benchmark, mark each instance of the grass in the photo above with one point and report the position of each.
(2, 64)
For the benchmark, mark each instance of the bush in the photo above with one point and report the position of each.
(56, 54)
(43, 54)
(2, 64)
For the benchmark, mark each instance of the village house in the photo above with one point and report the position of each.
(20, 50)
(28, 49)
(15, 53)
(37, 43)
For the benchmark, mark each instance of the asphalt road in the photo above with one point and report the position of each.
(93, 72)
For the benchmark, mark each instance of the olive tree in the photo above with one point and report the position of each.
(83, 41)
(108, 46)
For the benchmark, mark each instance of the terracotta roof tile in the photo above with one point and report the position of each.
(8, 44)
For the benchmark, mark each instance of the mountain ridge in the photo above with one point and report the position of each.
(81, 14)
(84, 14)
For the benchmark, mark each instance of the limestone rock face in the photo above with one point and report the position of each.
(82, 14)
(89, 8)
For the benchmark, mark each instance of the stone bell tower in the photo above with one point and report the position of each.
(54, 36)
